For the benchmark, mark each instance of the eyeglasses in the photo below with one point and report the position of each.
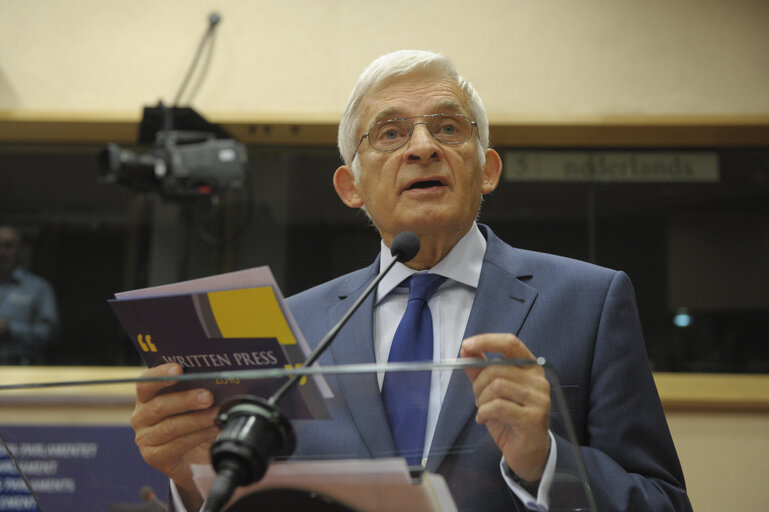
(392, 134)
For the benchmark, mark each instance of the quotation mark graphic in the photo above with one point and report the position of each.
(145, 342)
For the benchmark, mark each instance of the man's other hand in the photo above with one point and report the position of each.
(513, 402)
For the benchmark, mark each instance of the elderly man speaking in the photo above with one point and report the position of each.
(415, 141)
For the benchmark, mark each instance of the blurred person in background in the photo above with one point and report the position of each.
(29, 318)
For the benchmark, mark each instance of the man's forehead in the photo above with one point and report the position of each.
(413, 94)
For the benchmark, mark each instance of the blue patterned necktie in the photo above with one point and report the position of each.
(406, 394)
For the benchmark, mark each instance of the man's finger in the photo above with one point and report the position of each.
(504, 389)
(147, 390)
(161, 407)
(506, 344)
(466, 352)
(176, 427)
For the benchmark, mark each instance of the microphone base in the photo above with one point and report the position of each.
(253, 432)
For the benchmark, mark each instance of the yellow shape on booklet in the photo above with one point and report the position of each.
(303, 380)
(250, 313)
(145, 342)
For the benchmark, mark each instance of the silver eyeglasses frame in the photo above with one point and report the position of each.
(426, 122)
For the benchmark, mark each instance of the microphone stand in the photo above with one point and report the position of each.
(255, 430)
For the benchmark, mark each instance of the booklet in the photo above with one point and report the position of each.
(225, 323)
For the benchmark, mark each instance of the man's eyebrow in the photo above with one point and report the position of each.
(442, 107)
(388, 113)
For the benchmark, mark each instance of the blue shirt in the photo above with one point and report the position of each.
(28, 304)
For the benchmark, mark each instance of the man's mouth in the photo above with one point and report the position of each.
(425, 184)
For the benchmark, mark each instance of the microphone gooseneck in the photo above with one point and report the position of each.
(254, 430)
(213, 20)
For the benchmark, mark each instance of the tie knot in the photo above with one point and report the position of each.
(422, 286)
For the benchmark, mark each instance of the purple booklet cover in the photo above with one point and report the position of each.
(222, 331)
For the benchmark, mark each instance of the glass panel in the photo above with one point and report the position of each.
(99, 467)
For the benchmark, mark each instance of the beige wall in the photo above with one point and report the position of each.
(300, 57)
(725, 458)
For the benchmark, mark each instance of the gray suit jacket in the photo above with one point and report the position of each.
(582, 319)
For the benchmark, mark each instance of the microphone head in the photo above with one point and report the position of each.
(405, 246)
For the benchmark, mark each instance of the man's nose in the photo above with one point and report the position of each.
(422, 146)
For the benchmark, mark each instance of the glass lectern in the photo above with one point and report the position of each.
(341, 455)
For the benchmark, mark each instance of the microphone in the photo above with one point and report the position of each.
(254, 430)
(213, 20)
(405, 247)
(149, 496)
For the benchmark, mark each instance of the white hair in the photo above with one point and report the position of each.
(399, 64)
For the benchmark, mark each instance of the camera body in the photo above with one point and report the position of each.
(183, 165)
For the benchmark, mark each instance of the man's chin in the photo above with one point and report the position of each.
(429, 223)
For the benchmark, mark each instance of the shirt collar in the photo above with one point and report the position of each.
(462, 264)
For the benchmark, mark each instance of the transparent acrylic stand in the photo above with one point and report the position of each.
(341, 455)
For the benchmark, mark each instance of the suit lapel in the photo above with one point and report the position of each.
(353, 345)
(501, 304)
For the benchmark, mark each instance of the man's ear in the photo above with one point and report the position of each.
(344, 184)
(492, 171)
